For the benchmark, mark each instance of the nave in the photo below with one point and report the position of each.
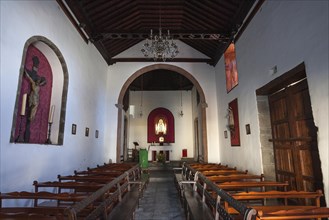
(160, 200)
(162, 191)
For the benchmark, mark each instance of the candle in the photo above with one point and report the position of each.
(51, 114)
(23, 104)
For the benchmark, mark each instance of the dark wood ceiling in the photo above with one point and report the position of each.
(114, 26)
(160, 80)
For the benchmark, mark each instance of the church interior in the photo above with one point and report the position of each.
(108, 107)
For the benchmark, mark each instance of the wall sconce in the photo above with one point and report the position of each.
(181, 99)
(141, 106)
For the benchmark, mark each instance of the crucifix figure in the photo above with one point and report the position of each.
(36, 82)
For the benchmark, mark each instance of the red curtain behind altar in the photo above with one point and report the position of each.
(153, 118)
(39, 126)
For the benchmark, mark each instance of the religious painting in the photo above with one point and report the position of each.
(231, 71)
(233, 122)
(34, 99)
(160, 126)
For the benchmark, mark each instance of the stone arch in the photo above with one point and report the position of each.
(179, 70)
(53, 47)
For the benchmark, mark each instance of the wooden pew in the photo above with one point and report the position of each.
(222, 172)
(212, 167)
(123, 188)
(278, 211)
(98, 172)
(235, 177)
(64, 199)
(33, 213)
(114, 166)
(57, 206)
(77, 187)
(293, 214)
(197, 200)
(45, 205)
(96, 179)
(247, 185)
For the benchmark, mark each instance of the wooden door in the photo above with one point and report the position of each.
(167, 155)
(295, 138)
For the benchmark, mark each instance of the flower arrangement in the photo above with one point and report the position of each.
(161, 158)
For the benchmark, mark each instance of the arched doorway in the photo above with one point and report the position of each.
(202, 105)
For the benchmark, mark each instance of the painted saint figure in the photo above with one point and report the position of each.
(36, 82)
(160, 127)
(231, 125)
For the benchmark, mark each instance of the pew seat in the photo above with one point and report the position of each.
(283, 211)
(247, 185)
(235, 177)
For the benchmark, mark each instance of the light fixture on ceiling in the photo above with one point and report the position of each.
(181, 113)
(161, 46)
(141, 106)
(181, 97)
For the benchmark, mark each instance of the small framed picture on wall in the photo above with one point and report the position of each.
(87, 132)
(248, 129)
(74, 129)
(96, 133)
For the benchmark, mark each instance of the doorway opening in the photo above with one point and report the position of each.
(288, 133)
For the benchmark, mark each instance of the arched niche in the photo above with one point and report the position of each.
(202, 106)
(59, 87)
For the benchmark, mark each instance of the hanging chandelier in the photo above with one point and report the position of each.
(161, 46)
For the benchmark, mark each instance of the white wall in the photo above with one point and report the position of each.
(23, 163)
(283, 33)
(183, 125)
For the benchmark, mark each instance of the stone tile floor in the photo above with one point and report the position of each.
(160, 200)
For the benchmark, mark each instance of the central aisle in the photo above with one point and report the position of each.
(160, 200)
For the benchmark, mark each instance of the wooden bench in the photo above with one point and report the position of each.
(214, 168)
(235, 177)
(45, 205)
(294, 211)
(198, 202)
(96, 179)
(293, 214)
(77, 187)
(105, 172)
(247, 185)
(121, 188)
(125, 209)
(33, 213)
(63, 199)
(222, 172)
(195, 207)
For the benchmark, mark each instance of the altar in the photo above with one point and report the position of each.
(155, 150)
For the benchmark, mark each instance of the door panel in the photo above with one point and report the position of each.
(295, 138)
